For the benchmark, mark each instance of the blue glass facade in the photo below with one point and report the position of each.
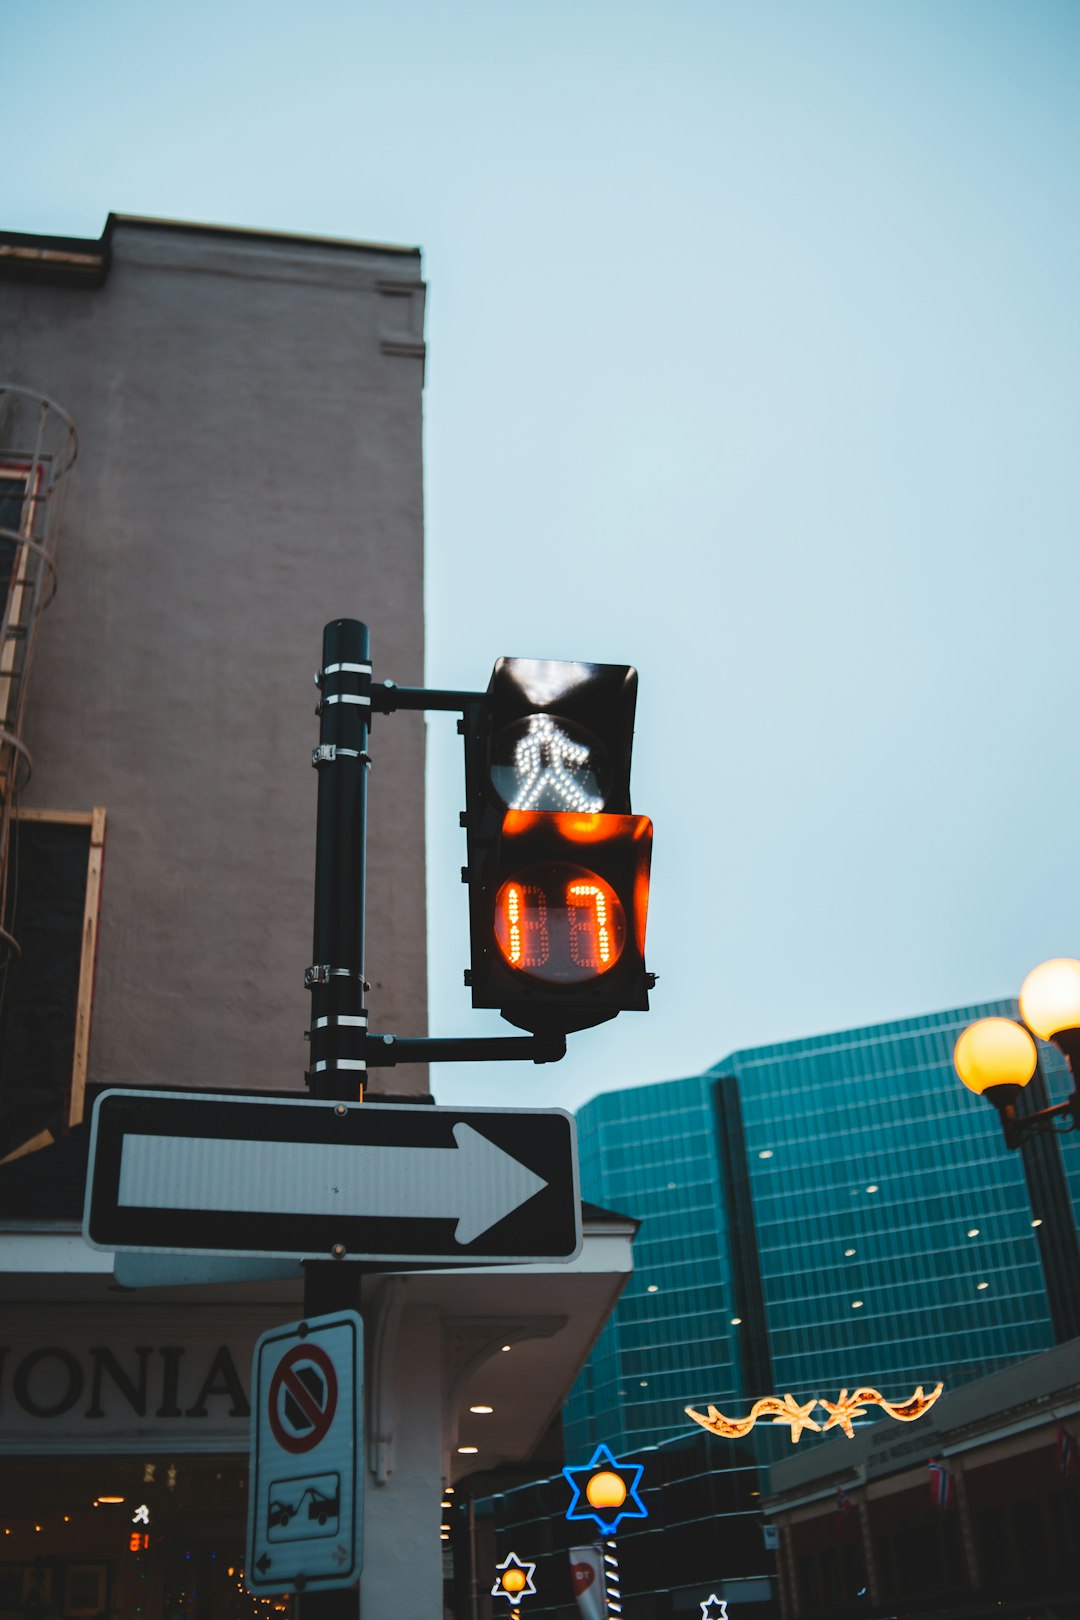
(651, 1153)
(815, 1215)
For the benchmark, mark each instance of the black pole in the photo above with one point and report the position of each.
(1048, 1195)
(335, 978)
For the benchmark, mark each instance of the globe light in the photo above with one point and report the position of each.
(605, 1490)
(1050, 997)
(994, 1052)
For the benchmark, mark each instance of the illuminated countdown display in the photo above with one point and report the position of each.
(559, 923)
(798, 1417)
(606, 1490)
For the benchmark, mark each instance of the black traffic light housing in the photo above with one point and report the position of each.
(558, 868)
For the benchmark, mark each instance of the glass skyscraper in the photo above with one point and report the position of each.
(817, 1215)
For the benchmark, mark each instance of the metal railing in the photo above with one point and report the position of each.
(38, 444)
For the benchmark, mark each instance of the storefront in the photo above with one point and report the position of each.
(125, 1416)
(123, 1481)
(973, 1511)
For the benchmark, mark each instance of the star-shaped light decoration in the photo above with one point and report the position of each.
(842, 1411)
(714, 1608)
(606, 1490)
(797, 1417)
(515, 1579)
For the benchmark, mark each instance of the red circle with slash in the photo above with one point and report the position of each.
(307, 1403)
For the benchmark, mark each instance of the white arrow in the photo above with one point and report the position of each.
(475, 1183)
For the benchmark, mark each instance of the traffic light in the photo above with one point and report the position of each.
(558, 868)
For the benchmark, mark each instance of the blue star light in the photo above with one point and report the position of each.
(714, 1608)
(606, 1490)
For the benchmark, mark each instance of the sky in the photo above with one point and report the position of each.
(753, 348)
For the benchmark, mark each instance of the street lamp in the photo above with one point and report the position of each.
(995, 1057)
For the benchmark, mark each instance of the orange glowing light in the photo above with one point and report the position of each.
(841, 1412)
(605, 1490)
(559, 923)
(513, 1579)
(995, 1052)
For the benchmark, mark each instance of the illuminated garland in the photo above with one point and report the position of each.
(841, 1412)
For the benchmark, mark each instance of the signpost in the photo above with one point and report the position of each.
(305, 1494)
(191, 1173)
(320, 1179)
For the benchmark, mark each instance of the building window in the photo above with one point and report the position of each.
(46, 990)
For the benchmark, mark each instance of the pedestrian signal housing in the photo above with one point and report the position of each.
(558, 867)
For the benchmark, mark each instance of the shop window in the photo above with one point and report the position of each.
(46, 990)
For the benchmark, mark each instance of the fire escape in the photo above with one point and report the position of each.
(38, 445)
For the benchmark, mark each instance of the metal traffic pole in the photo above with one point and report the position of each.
(338, 1034)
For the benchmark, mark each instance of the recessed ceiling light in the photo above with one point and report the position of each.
(672, 1185)
(481, 1409)
(766, 1153)
(973, 1231)
(856, 1304)
(446, 1504)
(982, 1285)
(110, 1498)
(444, 1538)
(444, 1527)
(652, 1288)
(1037, 1222)
(468, 1451)
(736, 1321)
(644, 1383)
(449, 1490)
(505, 1348)
(873, 1187)
(849, 1252)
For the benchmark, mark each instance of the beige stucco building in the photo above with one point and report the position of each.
(247, 411)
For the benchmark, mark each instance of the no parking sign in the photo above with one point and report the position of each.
(304, 1496)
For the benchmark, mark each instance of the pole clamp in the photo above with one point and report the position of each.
(322, 973)
(327, 753)
(341, 669)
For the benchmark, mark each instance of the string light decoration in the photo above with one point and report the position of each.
(841, 1412)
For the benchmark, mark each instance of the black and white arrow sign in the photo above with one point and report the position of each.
(188, 1172)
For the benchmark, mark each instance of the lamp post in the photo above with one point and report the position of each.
(997, 1059)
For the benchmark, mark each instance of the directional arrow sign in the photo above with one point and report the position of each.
(191, 1172)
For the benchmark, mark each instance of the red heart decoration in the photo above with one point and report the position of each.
(583, 1576)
